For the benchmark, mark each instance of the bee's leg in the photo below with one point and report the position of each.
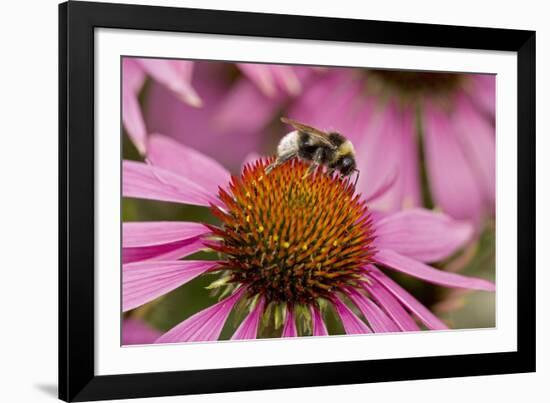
(317, 159)
(356, 177)
(279, 161)
(310, 169)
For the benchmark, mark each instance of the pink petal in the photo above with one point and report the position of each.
(422, 234)
(410, 177)
(477, 138)
(132, 81)
(159, 232)
(133, 75)
(420, 270)
(144, 281)
(352, 324)
(378, 320)
(195, 127)
(175, 75)
(143, 181)
(205, 325)
(245, 109)
(342, 109)
(135, 331)
(250, 159)
(388, 148)
(393, 308)
(484, 91)
(170, 251)
(287, 79)
(186, 162)
(318, 324)
(452, 180)
(184, 68)
(133, 121)
(260, 74)
(428, 318)
(160, 240)
(249, 327)
(382, 188)
(289, 328)
(326, 104)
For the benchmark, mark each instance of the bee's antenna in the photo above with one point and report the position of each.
(356, 178)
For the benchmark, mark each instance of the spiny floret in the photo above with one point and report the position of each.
(293, 237)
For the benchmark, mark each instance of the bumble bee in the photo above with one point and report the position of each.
(329, 149)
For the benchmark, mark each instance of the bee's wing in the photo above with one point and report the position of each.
(318, 134)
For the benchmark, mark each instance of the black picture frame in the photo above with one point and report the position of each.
(77, 378)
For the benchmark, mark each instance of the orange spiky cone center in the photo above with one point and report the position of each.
(290, 237)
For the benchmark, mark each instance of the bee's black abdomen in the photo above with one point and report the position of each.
(304, 140)
(306, 147)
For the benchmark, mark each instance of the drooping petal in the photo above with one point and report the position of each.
(186, 162)
(169, 251)
(150, 233)
(287, 79)
(394, 260)
(135, 331)
(317, 323)
(133, 121)
(205, 325)
(144, 281)
(289, 328)
(382, 188)
(245, 109)
(477, 138)
(304, 109)
(378, 320)
(352, 324)
(132, 118)
(175, 75)
(410, 169)
(184, 68)
(423, 313)
(196, 127)
(133, 75)
(393, 308)
(143, 181)
(388, 148)
(330, 103)
(422, 234)
(261, 76)
(248, 329)
(483, 92)
(452, 181)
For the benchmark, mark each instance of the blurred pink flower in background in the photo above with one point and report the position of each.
(217, 108)
(175, 75)
(383, 111)
(349, 246)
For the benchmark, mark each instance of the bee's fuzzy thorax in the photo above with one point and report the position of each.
(346, 148)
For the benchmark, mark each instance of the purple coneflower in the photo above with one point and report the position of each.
(290, 248)
(383, 112)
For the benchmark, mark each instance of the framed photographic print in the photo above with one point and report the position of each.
(259, 201)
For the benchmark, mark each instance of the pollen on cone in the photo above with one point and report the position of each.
(291, 237)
